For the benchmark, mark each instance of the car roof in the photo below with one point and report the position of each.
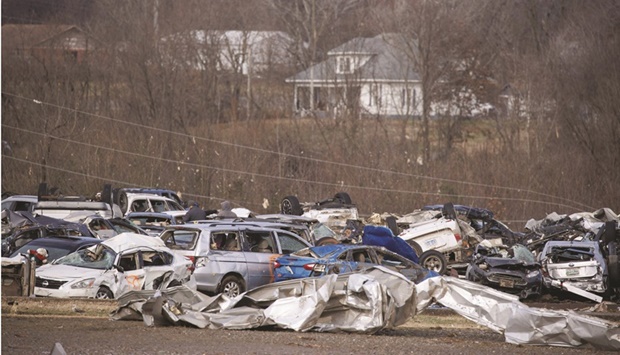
(28, 198)
(150, 214)
(51, 241)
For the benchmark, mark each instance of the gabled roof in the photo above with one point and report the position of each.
(48, 36)
(383, 58)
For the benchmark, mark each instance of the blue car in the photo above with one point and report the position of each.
(341, 258)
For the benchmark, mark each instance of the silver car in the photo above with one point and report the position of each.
(233, 257)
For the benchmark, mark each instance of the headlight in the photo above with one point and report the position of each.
(534, 273)
(86, 283)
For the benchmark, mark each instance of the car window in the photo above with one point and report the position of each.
(361, 256)
(156, 258)
(22, 206)
(140, 205)
(26, 237)
(159, 206)
(230, 241)
(98, 257)
(173, 206)
(180, 239)
(130, 262)
(260, 241)
(290, 244)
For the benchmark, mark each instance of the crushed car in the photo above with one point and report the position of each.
(343, 258)
(511, 269)
(575, 266)
(333, 212)
(112, 268)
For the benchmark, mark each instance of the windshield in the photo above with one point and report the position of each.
(96, 257)
(320, 230)
(522, 253)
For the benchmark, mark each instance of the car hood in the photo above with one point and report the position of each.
(66, 272)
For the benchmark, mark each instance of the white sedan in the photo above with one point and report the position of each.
(120, 264)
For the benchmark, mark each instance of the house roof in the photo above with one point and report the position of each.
(30, 36)
(382, 58)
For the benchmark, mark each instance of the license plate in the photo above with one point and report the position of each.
(572, 272)
(506, 283)
(431, 242)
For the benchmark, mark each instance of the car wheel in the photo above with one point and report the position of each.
(104, 293)
(326, 241)
(433, 260)
(232, 286)
(122, 201)
(343, 197)
(291, 205)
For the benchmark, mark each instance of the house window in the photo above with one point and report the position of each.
(344, 65)
(407, 98)
(374, 99)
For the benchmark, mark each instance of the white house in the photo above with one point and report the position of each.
(241, 52)
(366, 76)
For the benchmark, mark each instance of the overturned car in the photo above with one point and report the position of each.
(512, 269)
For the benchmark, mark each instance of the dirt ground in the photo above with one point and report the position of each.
(33, 326)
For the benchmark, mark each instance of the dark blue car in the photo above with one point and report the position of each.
(341, 258)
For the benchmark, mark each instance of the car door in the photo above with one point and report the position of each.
(260, 251)
(224, 256)
(133, 274)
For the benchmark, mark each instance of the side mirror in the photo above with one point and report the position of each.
(119, 268)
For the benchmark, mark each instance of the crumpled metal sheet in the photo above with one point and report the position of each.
(519, 323)
(366, 302)
(363, 302)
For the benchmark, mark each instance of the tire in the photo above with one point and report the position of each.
(290, 205)
(104, 293)
(326, 241)
(392, 225)
(433, 260)
(123, 201)
(232, 286)
(42, 192)
(343, 197)
(106, 194)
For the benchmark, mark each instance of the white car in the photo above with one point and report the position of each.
(120, 264)
(144, 202)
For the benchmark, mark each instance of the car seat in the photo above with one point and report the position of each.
(231, 243)
(263, 246)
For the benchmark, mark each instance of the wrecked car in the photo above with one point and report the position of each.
(231, 257)
(333, 212)
(575, 266)
(107, 270)
(438, 239)
(343, 258)
(152, 222)
(56, 246)
(145, 202)
(511, 269)
(483, 222)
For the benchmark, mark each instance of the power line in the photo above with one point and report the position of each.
(270, 176)
(210, 140)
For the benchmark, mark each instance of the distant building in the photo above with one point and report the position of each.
(371, 76)
(54, 43)
(240, 52)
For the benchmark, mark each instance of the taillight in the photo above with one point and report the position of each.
(458, 237)
(276, 264)
(309, 267)
(193, 260)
